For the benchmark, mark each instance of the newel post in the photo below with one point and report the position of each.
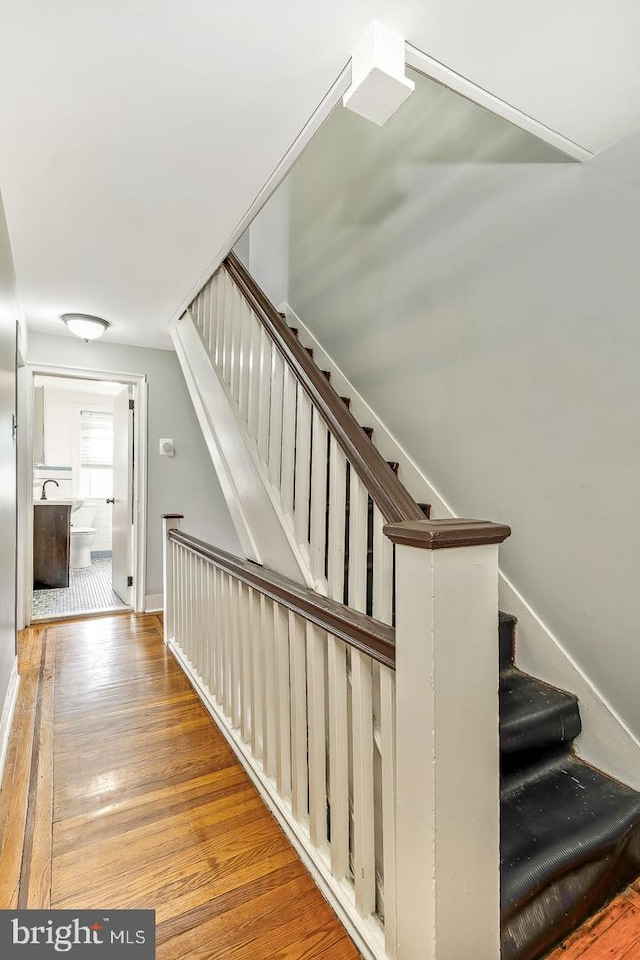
(170, 521)
(447, 760)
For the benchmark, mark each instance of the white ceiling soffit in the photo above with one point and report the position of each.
(135, 135)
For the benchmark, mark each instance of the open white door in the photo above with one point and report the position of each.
(122, 531)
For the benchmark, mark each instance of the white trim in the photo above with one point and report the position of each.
(140, 438)
(153, 603)
(606, 741)
(367, 934)
(24, 498)
(8, 711)
(441, 74)
(311, 127)
(25, 519)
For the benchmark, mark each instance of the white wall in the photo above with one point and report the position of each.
(186, 483)
(488, 312)
(8, 333)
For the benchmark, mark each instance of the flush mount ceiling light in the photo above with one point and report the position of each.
(84, 325)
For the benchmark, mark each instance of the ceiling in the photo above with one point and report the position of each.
(135, 134)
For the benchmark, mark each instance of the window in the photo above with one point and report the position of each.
(96, 454)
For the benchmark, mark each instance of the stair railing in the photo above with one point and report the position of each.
(377, 748)
(333, 488)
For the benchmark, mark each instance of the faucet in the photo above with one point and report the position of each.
(43, 495)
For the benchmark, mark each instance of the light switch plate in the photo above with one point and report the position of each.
(167, 448)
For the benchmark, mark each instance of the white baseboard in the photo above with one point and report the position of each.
(8, 711)
(606, 741)
(153, 603)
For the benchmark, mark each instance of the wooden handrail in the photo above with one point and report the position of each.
(364, 633)
(393, 500)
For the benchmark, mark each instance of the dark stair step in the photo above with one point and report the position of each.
(327, 374)
(506, 639)
(346, 401)
(564, 827)
(426, 509)
(534, 715)
(294, 331)
(309, 351)
(395, 466)
(369, 432)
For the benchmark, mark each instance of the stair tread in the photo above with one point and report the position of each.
(568, 814)
(534, 714)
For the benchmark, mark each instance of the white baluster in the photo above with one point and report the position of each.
(303, 468)
(363, 831)
(316, 692)
(259, 624)
(337, 520)
(227, 331)
(281, 622)
(269, 693)
(246, 663)
(338, 756)
(388, 756)
(264, 393)
(358, 502)
(382, 570)
(169, 521)
(288, 442)
(275, 417)
(220, 300)
(206, 293)
(236, 651)
(299, 756)
(255, 328)
(227, 647)
(319, 506)
(246, 320)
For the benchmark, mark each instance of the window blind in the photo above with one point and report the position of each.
(96, 439)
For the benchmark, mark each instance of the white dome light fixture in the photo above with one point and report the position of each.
(84, 325)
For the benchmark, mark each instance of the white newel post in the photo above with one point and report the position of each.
(170, 521)
(447, 760)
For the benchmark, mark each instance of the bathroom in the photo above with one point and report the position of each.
(73, 463)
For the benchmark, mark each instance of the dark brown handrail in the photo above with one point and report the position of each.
(363, 633)
(394, 501)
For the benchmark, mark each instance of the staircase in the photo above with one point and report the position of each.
(570, 835)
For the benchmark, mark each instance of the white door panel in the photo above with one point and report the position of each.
(122, 530)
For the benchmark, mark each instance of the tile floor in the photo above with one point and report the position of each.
(89, 591)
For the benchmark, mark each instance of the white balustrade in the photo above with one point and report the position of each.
(278, 685)
(316, 489)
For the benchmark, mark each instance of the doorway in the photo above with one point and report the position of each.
(83, 507)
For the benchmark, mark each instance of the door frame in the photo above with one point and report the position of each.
(139, 384)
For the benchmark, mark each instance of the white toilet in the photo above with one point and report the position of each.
(82, 539)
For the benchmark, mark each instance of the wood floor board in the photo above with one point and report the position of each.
(132, 798)
(253, 922)
(117, 819)
(146, 805)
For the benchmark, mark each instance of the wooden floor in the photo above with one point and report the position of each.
(120, 792)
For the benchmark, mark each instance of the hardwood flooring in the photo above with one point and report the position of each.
(120, 792)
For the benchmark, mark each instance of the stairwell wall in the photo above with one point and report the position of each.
(487, 313)
(186, 483)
